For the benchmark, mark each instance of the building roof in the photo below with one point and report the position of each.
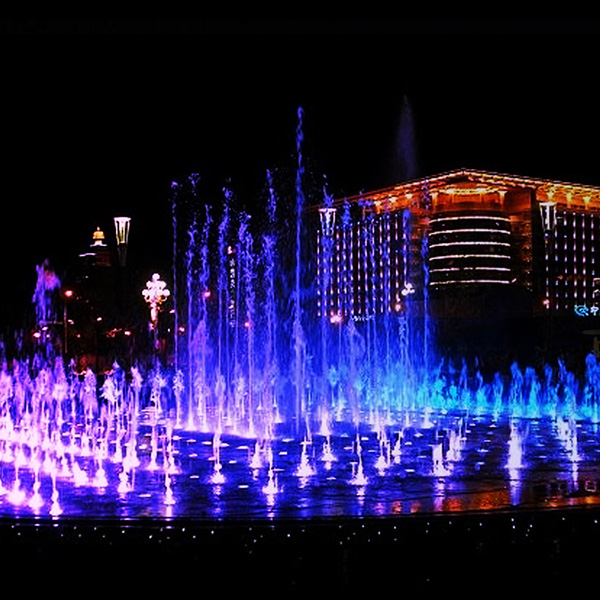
(545, 189)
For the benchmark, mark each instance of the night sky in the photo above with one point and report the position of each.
(99, 118)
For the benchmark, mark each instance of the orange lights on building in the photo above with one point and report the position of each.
(461, 228)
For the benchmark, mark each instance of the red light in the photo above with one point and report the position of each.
(68, 293)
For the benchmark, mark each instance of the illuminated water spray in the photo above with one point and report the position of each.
(298, 331)
(304, 381)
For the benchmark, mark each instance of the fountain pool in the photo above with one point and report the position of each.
(59, 457)
(272, 406)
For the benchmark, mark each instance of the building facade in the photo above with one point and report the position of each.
(459, 231)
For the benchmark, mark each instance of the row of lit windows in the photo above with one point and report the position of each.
(464, 218)
(470, 255)
(468, 230)
(473, 249)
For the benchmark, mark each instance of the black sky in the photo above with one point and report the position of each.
(98, 118)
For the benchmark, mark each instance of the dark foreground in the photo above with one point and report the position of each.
(467, 554)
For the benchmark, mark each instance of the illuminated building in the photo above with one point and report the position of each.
(100, 316)
(461, 230)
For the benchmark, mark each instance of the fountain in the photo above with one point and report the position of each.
(273, 406)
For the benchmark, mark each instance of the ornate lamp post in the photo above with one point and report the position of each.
(155, 294)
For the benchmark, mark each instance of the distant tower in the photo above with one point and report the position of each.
(95, 281)
(122, 234)
(98, 255)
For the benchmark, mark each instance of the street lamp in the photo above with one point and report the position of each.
(155, 294)
(122, 234)
(548, 216)
(68, 294)
(327, 216)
